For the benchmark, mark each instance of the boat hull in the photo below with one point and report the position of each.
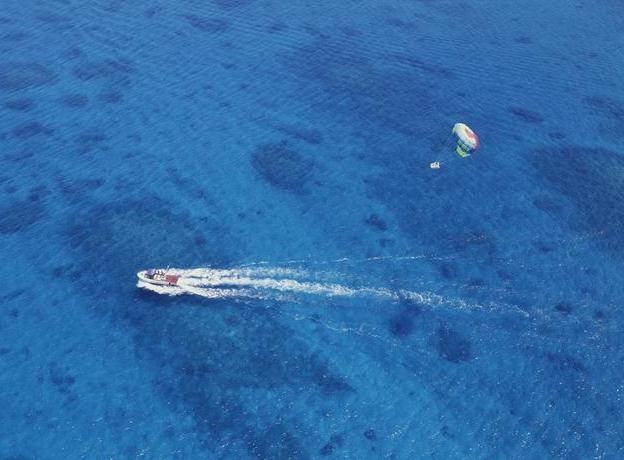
(167, 280)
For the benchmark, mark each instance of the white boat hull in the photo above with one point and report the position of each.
(142, 276)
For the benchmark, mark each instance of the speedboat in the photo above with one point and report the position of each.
(158, 277)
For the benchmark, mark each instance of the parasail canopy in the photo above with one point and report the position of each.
(467, 140)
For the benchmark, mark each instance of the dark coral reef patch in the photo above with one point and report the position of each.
(282, 167)
(231, 4)
(592, 179)
(20, 105)
(33, 128)
(112, 69)
(74, 101)
(16, 76)
(452, 346)
(526, 115)
(209, 25)
(211, 353)
(20, 215)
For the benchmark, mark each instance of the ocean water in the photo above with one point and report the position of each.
(351, 302)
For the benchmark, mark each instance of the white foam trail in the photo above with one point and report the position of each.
(166, 290)
(191, 280)
(344, 260)
(270, 284)
(512, 257)
(290, 285)
(272, 280)
(245, 271)
(203, 292)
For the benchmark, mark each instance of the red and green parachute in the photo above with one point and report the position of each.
(467, 140)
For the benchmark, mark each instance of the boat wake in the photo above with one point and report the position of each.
(290, 284)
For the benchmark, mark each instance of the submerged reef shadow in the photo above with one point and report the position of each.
(210, 354)
(592, 179)
(206, 24)
(282, 167)
(18, 216)
(17, 76)
(451, 346)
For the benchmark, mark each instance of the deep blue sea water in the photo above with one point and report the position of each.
(298, 135)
